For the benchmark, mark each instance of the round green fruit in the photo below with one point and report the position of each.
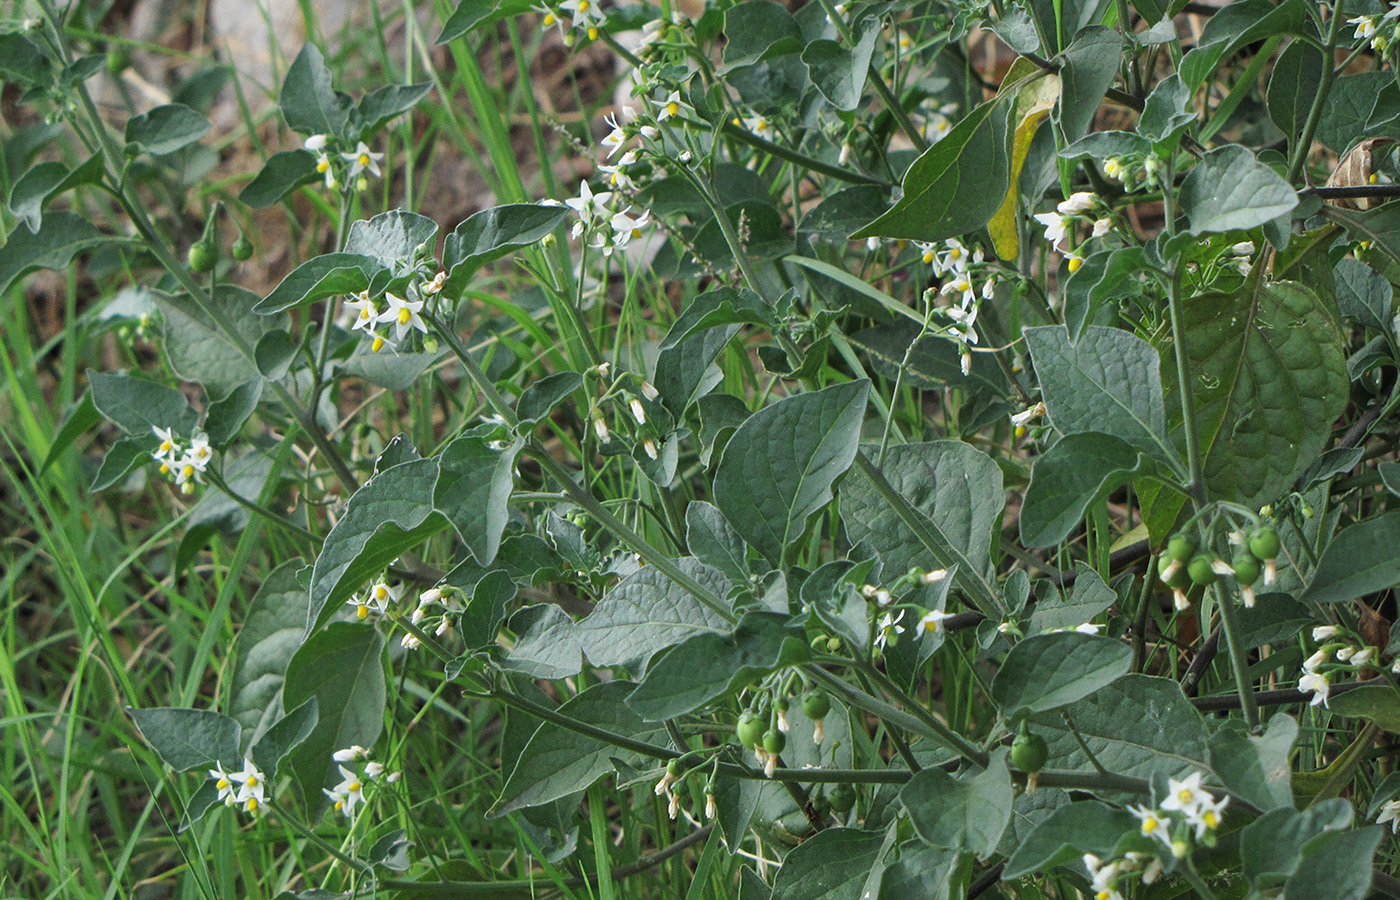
(1029, 752)
(842, 798)
(774, 741)
(1180, 548)
(816, 704)
(242, 249)
(1246, 568)
(1200, 571)
(203, 257)
(750, 729)
(1264, 543)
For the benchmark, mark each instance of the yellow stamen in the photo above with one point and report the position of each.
(165, 446)
(1149, 826)
(583, 6)
(164, 469)
(1184, 796)
(189, 470)
(673, 108)
(377, 345)
(404, 316)
(1074, 263)
(549, 19)
(636, 233)
(364, 313)
(339, 805)
(252, 804)
(364, 159)
(592, 34)
(354, 787)
(928, 257)
(362, 611)
(222, 784)
(1211, 820)
(322, 166)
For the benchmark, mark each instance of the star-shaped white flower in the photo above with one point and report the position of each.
(932, 622)
(403, 314)
(363, 160)
(1390, 812)
(1056, 225)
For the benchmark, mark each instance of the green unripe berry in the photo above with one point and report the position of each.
(1264, 543)
(750, 729)
(1181, 580)
(1200, 571)
(673, 768)
(842, 798)
(774, 741)
(833, 644)
(1246, 568)
(816, 704)
(781, 704)
(203, 257)
(1180, 548)
(1029, 752)
(118, 58)
(242, 249)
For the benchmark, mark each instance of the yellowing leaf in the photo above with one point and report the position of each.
(1034, 100)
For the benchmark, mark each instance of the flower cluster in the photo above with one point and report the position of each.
(888, 627)
(350, 792)
(1105, 875)
(958, 268)
(1380, 31)
(251, 786)
(1059, 224)
(376, 599)
(584, 16)
(1335, 656)
(347, 167)
(392, 319)
(610, 228)
(184, 464)
(424, 616)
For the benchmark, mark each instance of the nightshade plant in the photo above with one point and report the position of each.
(901, 468)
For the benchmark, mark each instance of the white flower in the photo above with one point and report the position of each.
(381, 595)
(316, 143)
(588, 205)
(1363, 657)
(932, 621)
(883, 597)
(199, 453)
(669, 107)
(1312, 662)
(365, 311)
(1345, 653)
(1325, 632)
(759, 125)
(933, 576)
(348, 794)
(1153, 823)
(1206, 816)
(961, 284)
(1186, 794)
(711, 810)
(363, 160)
(403, 314)
(1078, 202)
(374, 770)
(1365, 27)
(1316, 684)
(1243, 248)
(169, 448)
(614, 139)
(1088, 628)
(600, 428)
(1033, 412)
(252, 791)
(350, 754)
(889, 629)
(1390, 812)
(1102, 226)
(649, 447)
(953, 258)
(1056, 226)
(224, 782)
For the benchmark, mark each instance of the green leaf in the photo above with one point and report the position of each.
(1271, 847)
(62, 236)
(374, 110)
(557, 762)
(1111, 721)
(47, 180)
(1103, 276)
(491, 234)
(831, 865)
(546, 644)
(779, 467)
(1376, 703)
(1337, 866)
(342, 668)
(138, 405)
(714, 541)
(968, 814)
(186, 739)
(1089, 598)
(924, 873)
(166, 129)
(282, 173)
(199, 350)
(1033, 100)
(685, 369)
(1237, 25)
(1269, 375)
(539, 399)
(709, 665)
(757, 30)
(1049, 671)
(1104, 144)
(1292, 87)
(471, 14)
(391, 371)
(1084, 827)
(329, 275)
(78, 421)
(1167, 111)
(22, 61)
(1108, 381)
(839, 74)
(309, 103)
(954, 486)
(481, 621)
(647, 612)
(226, 417)
(1353, 106)
(1080, 471)
(933, 363)
(1363, 294)
(390, 514)
(269, 638)
(274, 353)
(391, 238)
(1256, 769)
(956, 185)
(473, 492)
(1230, 190)
(1090, 65)
(125, 455)
(284, 736)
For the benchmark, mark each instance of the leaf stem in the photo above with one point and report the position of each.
(1324, 87)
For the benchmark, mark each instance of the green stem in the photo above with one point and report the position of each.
(1329, 74)
(1239, 661)
(301, 829)
(257, 508)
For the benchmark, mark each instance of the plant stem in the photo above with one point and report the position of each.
(1329, 73)
(1238, 659)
